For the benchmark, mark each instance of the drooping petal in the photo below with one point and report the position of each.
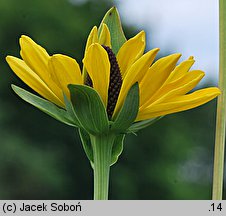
(98, 67)
(130, 51)
(135, 74)
(156, 77)
(179, 103)
(105, 37)
(37, 59)
(176, 88)
(65, 70)
(33, 80)
(181, 69)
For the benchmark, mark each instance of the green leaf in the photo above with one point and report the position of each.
(129, 110)
(142, 124)
(86, 143)
(112, 20)
(117, 148)
(89, 109)
(45, 106)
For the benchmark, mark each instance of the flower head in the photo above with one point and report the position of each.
(119, 90)
(164, 86)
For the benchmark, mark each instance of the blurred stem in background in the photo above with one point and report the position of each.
(218, 174)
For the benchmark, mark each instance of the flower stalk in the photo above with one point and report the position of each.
(102, 150)
(218, 173)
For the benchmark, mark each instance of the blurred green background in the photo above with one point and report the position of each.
(41, 158)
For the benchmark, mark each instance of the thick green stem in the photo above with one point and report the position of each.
(218, 174)
(102, 150)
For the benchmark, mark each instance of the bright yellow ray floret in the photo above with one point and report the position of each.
(164, 86)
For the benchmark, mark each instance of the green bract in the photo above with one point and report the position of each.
(45, 106)
(89, 109)
(93, 119)
(128, 112)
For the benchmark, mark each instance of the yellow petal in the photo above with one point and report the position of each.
(105, 37)
(135, 74)
(176, 88)
(97, 65)
(32, 79)
(92, 38)
(180, 103)
(181, 69)
(65, 70)
(156, 77)
(37, 59)
(130, 51)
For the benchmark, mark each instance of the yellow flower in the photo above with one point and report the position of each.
(163, 86)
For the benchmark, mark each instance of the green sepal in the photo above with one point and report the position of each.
(45, 106)
(86, 143)
(70, 110)
(128, 112)
(142, 124)
(87, 146)
(112, 20)
(89, 109)
(117, 148)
